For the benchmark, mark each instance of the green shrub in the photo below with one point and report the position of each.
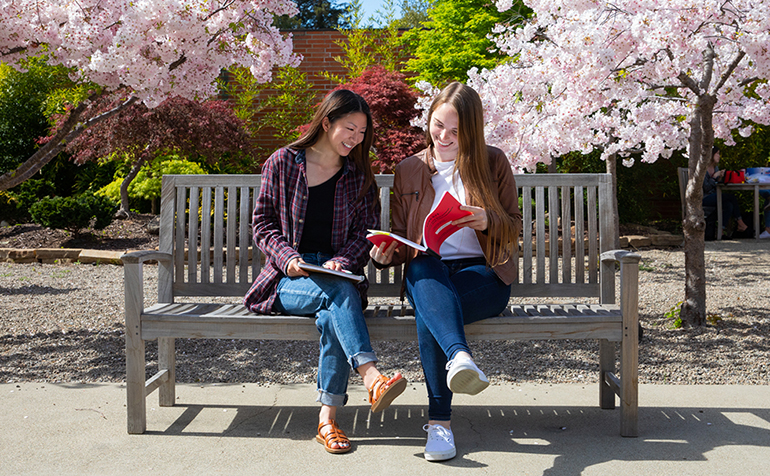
(75, 213)
(15, 203)
(8, 207)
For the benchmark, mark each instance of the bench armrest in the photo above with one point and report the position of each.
(140, 257)
(629, 274)
(621, 256)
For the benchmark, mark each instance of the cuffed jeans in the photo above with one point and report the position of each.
(445, 296)
(336, 305)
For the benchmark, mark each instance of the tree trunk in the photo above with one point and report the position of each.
(693, 311)
(125, 209)
(612, 169)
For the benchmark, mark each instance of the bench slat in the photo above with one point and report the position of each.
(388, 322)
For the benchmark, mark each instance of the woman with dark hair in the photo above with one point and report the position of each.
(317, 200)
(730, 206)
(472, 280)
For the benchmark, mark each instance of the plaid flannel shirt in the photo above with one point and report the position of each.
(279, 217)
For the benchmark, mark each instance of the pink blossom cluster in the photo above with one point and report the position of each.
(157, 49)
(624, 76)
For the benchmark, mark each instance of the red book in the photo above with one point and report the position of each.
(436, 228)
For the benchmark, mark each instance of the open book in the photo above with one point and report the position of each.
(436, 228)
(311, 268)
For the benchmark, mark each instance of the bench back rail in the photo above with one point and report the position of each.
(206, 226)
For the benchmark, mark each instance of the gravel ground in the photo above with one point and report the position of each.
(64, 323)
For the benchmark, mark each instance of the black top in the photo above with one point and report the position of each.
(317, 231)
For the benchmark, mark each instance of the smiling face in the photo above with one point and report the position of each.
(444, 126)
(344, 134)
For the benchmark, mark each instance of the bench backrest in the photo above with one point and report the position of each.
(565, 206)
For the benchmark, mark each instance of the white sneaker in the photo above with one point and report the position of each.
(465, 377)
(441, 443)
(764, 234)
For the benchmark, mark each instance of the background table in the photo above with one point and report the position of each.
(740, 186)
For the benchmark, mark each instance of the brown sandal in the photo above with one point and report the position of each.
(333, 435)
(384, 391)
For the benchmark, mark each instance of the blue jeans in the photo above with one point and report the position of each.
(445, 296)
(336, 305)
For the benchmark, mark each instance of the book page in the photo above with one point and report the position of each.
(311, 268)
(378, 237)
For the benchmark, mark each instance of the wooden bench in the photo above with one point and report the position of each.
(226, 264)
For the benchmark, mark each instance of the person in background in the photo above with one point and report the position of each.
(766, 195)
(317, 200)
(730, 206)
(472, 280)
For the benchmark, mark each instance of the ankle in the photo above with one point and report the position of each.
(445, 423)
(369, 374)
(463, 355)
(327, 414)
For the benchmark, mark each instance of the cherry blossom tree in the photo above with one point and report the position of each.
(644, 76)
(154, 49)
(207, 130)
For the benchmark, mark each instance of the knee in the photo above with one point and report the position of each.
(344, 293)
(422, 267)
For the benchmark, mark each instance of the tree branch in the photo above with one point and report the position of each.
(15, 50)
(223, 7)
(689, 83)
(182, 59)
(708, 67)
(748, 81)
(69, 130)
(729, 71)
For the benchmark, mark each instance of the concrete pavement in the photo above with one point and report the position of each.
(507, 429)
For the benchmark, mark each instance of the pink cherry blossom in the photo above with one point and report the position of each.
(154, 49)
(590, 74)
(158, 49)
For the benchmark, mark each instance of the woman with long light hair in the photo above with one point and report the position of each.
(472, 280)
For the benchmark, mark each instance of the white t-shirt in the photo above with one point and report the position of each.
(464, 243)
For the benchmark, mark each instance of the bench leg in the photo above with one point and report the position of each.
(135, 375)
(606, 365)
(167, 362)
(629, 383)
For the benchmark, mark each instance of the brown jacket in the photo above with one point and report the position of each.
(413, 196)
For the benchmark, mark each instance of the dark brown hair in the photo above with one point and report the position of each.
(336, 105)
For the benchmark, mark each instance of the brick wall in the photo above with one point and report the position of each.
(318, 49)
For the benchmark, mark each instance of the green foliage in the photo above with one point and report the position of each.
(24, 101)
(637, 185)
(675, 313)
(18, 201)
(313, 15)
(74, 213)
(713, 319)
(455, 39)
(147, 183)
(283, 104)
(9, 207)
(414, 13)
(366, 47)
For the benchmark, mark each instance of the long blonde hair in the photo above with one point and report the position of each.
(472, 163)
